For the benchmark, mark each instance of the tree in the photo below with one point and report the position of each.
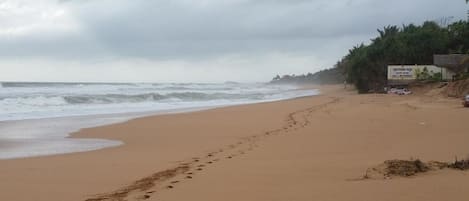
(276, 78)
(458, 33)
(366, 65)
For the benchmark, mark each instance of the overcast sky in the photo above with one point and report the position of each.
(192, 40)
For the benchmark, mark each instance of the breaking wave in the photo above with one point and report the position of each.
(42, 100)
(184, 96)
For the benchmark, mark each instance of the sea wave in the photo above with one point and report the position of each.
(42, 100)
(38, 101)
(57, 84)
(183, 96)
(112, 98)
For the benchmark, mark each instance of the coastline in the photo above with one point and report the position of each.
(27, 134)
(279, 150)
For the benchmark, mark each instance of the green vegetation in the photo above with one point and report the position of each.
(366, 65)
(425, 75)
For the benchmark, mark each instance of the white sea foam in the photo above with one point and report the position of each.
(41, 100)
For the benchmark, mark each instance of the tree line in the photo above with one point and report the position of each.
(327, 76)
(366, 65)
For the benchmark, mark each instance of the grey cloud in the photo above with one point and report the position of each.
(199, 29)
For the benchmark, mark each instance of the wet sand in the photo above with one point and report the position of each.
(313, 148)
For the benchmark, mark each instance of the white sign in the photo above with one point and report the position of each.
(409, 72)
(401, 73)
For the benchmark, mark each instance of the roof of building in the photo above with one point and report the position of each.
(455, 62)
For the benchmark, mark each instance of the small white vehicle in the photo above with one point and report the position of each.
(404, 92)
(392, 91)
(399, 91)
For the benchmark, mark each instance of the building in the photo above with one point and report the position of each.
(406, 74)
(449, 65)
(458, 63)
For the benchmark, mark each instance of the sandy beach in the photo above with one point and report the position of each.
(312, 148)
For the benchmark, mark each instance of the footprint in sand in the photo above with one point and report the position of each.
(169, 187)
(189, 173)
(202, 165)
(199, 169)
(188, 177)
(174, 182)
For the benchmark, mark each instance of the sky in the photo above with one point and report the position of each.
(193, 40)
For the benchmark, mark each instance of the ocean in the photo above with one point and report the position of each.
(37, 118)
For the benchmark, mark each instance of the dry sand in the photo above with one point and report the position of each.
(314, 148)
